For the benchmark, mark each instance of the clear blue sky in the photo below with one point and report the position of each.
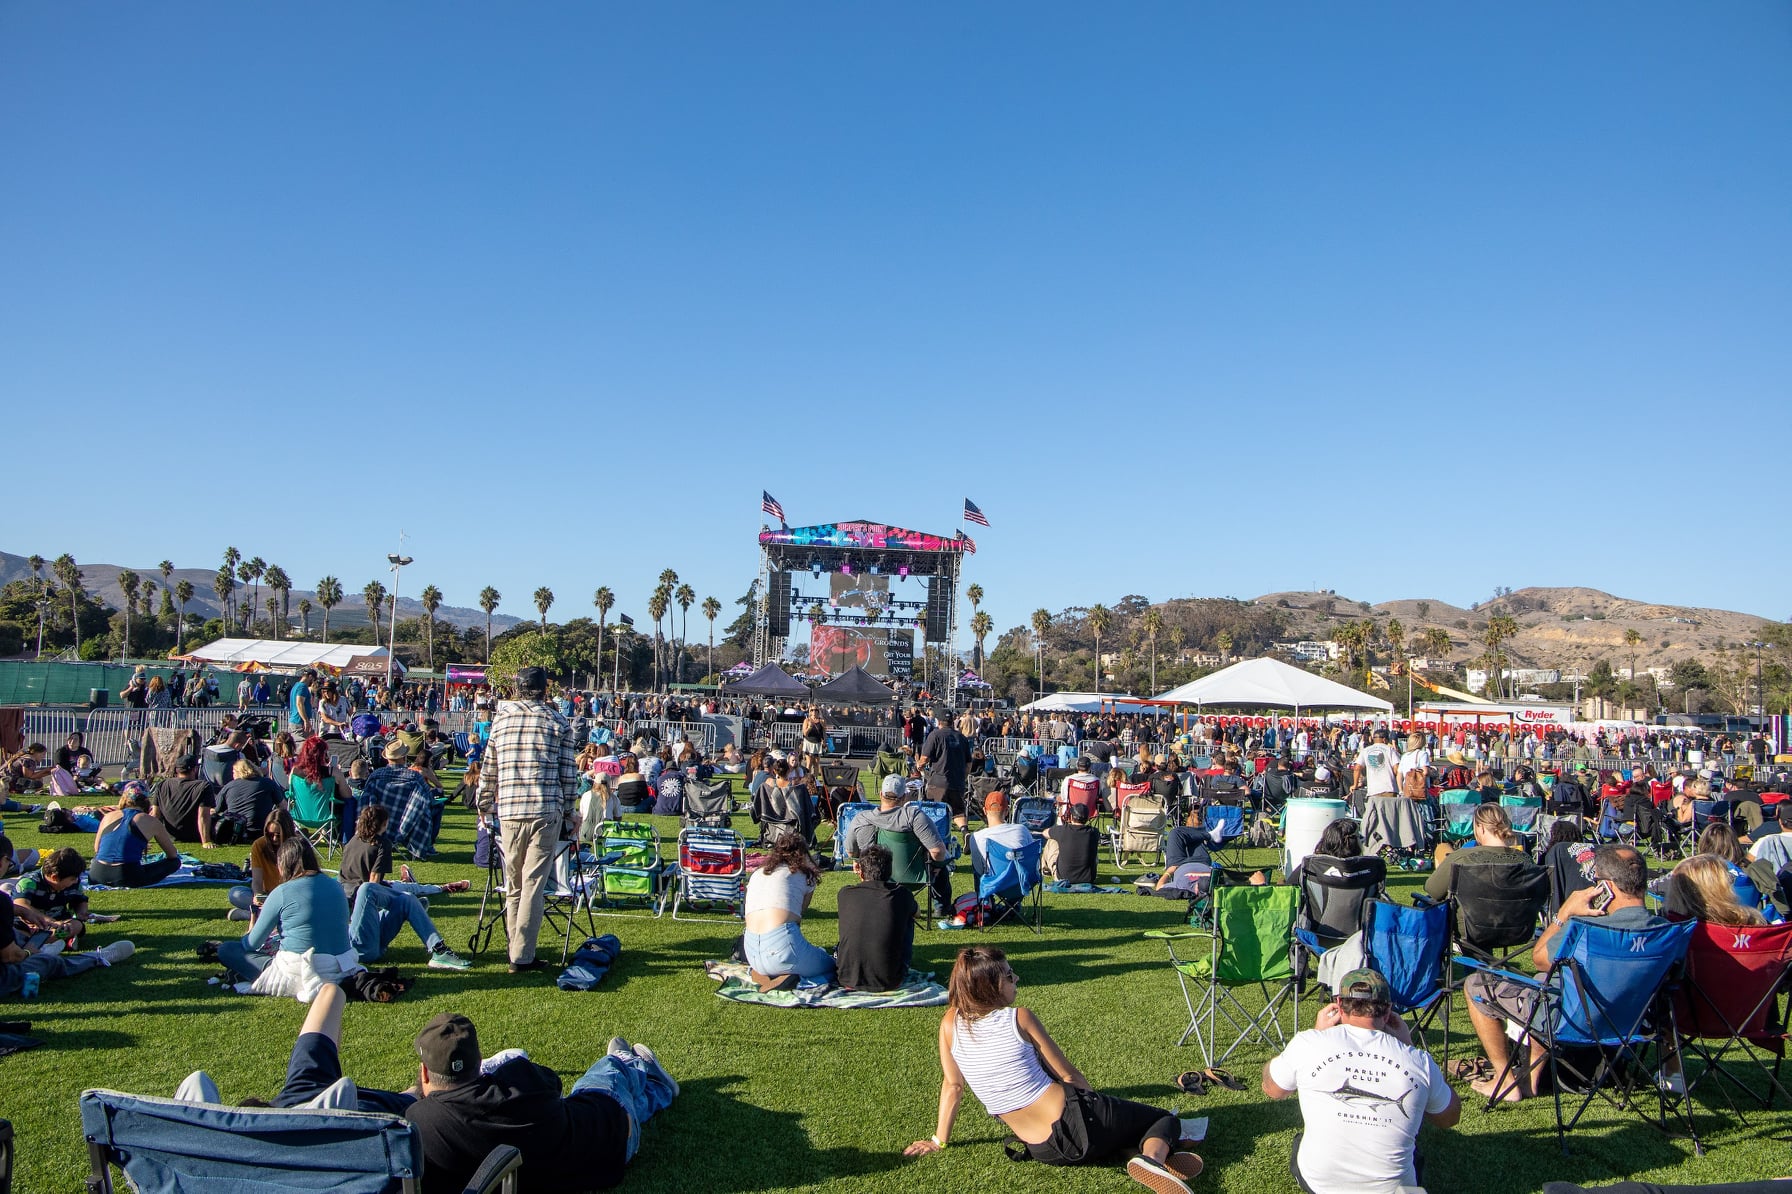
(1192, 299)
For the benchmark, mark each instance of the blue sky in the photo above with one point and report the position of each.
(1399, 300)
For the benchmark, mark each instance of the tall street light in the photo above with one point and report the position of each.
(398, 562)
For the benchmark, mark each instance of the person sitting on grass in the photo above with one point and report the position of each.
(311, 913)
(119, 842)
(381, 909)
(51, 898)
(186, 803)
(1364, 1090)
(1021, 1076)
(244, 803)
(778, 895)
(16, 962)
(877, 926)
(264, 865)
(1076, 845)
(25, 772)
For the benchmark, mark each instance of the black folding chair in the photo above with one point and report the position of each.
(1334, 904)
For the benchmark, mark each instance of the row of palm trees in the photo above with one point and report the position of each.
(666, 594)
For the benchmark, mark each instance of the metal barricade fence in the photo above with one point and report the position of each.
(701, 733)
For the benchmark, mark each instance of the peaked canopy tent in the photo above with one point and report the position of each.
(1272, 684)
(770, 681)
(266, 654)
(855, 686)
(1087, 702)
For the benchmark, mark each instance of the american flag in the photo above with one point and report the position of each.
(972, 514)
(970, 544)
(770, 505)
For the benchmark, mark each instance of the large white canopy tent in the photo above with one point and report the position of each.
(1086, 702)
(1272, 684)
(266, 654)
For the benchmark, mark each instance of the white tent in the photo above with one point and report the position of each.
(1084, 702)
(245, 654)
(1272, 684)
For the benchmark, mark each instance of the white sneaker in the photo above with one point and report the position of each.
(447, 959)
(653, 1063)
(1674, 1084)
(115, 952)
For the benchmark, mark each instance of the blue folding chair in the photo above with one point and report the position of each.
(1012, 885)
(1410, 947)
(843, 830)
(1598, 995)
(167, 1146)
(1037, 813)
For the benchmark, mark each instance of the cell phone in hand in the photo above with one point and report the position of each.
(1602, 897)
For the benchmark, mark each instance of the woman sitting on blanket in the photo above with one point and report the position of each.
(778, 895)
(311, 913)
(123, 835)
(1003, 1053)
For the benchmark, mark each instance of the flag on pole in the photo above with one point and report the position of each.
(972, 514)
(770, 505)
(970, 544)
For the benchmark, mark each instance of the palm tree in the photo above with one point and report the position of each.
(281, 586)
(1100, 618)
(273, 605)
(251, 572)
(373, 595)
(981, 626)
(70, 576)
(183, 593)
(1500, 627)
(305, 616)
(544, 597)
(1396, 633)
(329, 596)
(1042, 622)
(488, 601)
(712, 607)
(231, 558)
(1154, 622)
(605, 601)
(147, 600)
(974, 595)
(431, 597)
(1632, 639)
(686, 597)
(130, 584)
(43, 603)
(166, 568)
(657, 605)
(1223, 640)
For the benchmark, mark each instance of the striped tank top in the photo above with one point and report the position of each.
(999, 1064)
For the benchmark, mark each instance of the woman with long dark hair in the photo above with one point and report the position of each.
(778, 895)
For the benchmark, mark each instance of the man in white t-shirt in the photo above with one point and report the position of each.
(1375, 766)
(1364, 1091)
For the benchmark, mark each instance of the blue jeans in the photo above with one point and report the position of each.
(784, 951)
(46, 967)
(380, 913)
(632, 1083)
(235, 955)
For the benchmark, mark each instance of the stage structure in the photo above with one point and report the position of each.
(874, 584)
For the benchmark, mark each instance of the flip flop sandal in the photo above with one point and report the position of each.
(1191, 1082)
(1469, 1069)
(1224, 1078)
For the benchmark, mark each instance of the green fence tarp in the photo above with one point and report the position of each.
(24, 682)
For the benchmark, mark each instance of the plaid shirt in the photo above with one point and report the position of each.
(410, 808)
(531, 767)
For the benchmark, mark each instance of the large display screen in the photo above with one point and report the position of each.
(879, 649)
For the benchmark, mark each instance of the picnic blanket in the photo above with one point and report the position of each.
(918, 990)
(1059, 887)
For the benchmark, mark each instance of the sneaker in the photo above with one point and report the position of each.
(404, 873)
(1184, 1164)
(1160, 1179)
(447, 959)
(619, 1048)
(653, 1063)
(114, 952)
(1674, 1084)
(237, 914)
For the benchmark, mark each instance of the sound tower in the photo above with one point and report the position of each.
(778, 604)
(939, 610)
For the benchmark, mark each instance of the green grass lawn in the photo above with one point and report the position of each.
(773, 1099)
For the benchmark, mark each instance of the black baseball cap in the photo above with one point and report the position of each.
(532, 679)
(449, 1047)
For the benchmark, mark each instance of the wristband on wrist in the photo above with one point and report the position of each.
(937, 1142)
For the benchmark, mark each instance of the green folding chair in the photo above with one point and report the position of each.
(908, 868)
(1249, 946)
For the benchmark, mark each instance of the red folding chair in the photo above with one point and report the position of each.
(1729, 994)
(1084, 790)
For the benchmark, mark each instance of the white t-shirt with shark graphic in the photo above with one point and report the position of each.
(1363, 1096)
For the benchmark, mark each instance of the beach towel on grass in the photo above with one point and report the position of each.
(1062, 888)
(184, 876)
(919, 990)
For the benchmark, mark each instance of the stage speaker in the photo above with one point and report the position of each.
(779, 599)
(939, 610)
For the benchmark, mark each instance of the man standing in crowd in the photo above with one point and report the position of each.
(530, 776)
(1375, 767)
(302, 706)
(945, 759)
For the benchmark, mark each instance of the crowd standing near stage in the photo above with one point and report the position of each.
(543, 768)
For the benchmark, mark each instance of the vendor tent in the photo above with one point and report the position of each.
(266, 654)
(1272, 684)
(1086, 702)
(855, 686)
(770, 681)
(373, 664)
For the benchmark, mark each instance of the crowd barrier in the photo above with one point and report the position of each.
(701, 733)
(113, 734)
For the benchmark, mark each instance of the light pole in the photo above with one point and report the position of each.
(398, 562)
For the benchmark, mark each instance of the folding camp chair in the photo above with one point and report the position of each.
(838, 775)
(1497, 908)
(910, 868)
(708, 804)
(1037, 813)
(571, 881)
(314, 811)
(1139, 828)
(1456, 816)
(1013, 885)
(1249, 945)
(712, 870)
(1598, 995)
(1410, 947)
(1226, 823)
(939, 813)
(1084, 790)
(1729, 993)
(1334, 901)
(627, 871)
(172, 1146)
(1524, 812)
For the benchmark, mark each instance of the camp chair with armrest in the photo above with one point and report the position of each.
(1139, 829)
(1410, 947)
(708, 803)
(712, 871)
(1729, 994)
(173, 1147)
(939, 814)
(1226, 823)
(1524, 813)
(1037, 813)
(314, 811)
(1497, 908)
(1599, 995)
(909, 867)
(843, 817)
(1247, 946)
(1334, 902)
(1456, 815)
(628, 874)
(1013, 885)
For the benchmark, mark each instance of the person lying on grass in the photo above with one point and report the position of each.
(1002, 1052)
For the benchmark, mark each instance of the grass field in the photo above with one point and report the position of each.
(773, 1099)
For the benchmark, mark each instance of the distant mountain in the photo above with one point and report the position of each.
(101, 580)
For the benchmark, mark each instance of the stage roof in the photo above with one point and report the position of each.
(858, 536)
